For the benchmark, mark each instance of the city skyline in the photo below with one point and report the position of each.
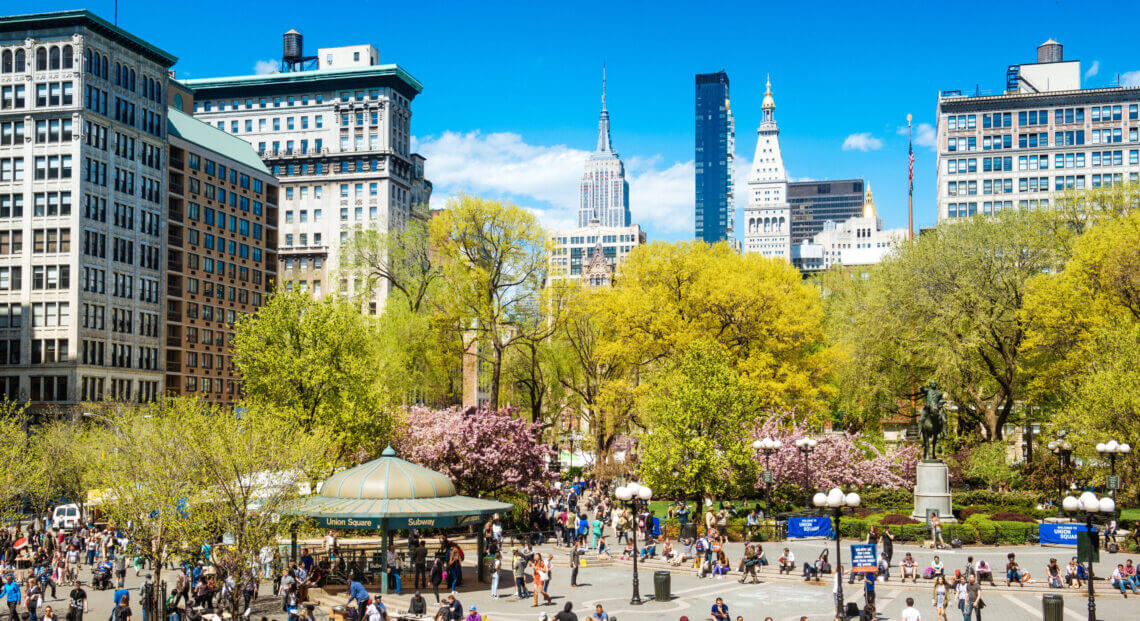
(522, 132)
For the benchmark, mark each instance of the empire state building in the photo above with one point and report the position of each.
(604, 192)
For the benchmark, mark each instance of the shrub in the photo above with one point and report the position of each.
(1006, 516)
(886, 498)
(894, 518)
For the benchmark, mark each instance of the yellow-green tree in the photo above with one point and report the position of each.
(1084, 335)
(669, 295)
(316, 364)
(947, 308)
(493, 257)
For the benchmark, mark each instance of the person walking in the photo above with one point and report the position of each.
(910, 613)
(436, 577)
(541, 577)
(936, 531)
(78, 602)
(974, 601)
(575, 561)
(35, 598)
(419, 562)
(939, 597)
(518, 565)
(11, 592)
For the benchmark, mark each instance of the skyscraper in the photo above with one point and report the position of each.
(768, 215)
(715, 144)
(604, 193)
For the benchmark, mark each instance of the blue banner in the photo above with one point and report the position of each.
(863, 557)
(1061, 534)
(809, 527)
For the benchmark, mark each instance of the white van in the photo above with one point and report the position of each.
(66, 517)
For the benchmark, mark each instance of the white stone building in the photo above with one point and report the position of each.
(338, 138)
(1044, 134)
(767, 216)
(856, 241)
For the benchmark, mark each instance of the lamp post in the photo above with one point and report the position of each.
(1089, 504)
(633, 495)
(1112, 448)
(1062, 449)
(836, 500)
(767, 446)
(806, 446)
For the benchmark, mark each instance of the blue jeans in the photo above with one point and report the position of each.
(494, 585)
(970, 608)
(1121, 584)
(32, 615)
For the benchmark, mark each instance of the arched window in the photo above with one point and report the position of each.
(87, 61)
(105, 67)
(132, 74)
(54, 61)
(20, 57)
(118, 74)
(6, 62)
(41, 59)
(67, 56)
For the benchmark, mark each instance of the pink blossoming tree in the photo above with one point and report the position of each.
(839, 460)
(483, 451)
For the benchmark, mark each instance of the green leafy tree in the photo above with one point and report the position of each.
(699, 421)
(947, 308)
(494, 261)
(317, 364)
(401, 261)
(988, 463)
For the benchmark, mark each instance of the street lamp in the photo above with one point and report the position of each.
(634, 494)
(1089, 504)
(1112, 448)
(836, 500)
(806, 446)
(1063, 450)
(768, 446)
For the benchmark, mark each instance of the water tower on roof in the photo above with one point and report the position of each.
(1049, 52)
(293, 53)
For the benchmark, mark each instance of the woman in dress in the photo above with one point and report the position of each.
(939, 598)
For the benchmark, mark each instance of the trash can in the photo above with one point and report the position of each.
(689, 530)
(1054, 607)
(661, 584)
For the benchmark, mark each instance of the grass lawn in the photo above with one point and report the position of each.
(1130, 514)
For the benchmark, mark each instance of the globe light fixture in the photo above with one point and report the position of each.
(836, 500)
(1089, 504)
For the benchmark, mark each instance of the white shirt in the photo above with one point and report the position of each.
(790, 556)
(911, 614)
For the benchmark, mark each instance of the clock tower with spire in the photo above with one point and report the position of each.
(767, 216)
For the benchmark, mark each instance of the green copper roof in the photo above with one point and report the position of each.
(190, 129)
(84, 18)
(346, 77)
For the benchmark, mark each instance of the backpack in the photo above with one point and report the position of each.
(461, 555)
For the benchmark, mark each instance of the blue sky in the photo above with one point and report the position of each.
(511, 97)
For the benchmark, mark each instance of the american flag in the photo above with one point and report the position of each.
(910, 163)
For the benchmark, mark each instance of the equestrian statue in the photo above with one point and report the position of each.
(932, 422)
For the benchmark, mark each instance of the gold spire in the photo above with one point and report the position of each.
(869, 205)
(768, 101)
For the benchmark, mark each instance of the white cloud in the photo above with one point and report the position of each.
(1093, 69)
(263, 67)
(862, 141)
(924, 135)
(545, 178)
(1132, 78)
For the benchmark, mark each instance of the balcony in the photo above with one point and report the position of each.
(174, 291)
(173, 341)
(174, 316)
(176, 187)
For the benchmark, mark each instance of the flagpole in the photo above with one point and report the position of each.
(910, 182)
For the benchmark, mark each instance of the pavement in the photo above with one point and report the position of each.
(784, 598)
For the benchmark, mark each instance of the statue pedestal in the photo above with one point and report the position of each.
(932, 490)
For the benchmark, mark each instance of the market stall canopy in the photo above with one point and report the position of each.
(394, 494)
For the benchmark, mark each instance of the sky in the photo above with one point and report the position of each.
(512, 90)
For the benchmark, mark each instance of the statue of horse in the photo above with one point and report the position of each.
(932, 422)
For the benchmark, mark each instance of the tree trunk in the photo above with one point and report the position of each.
(496, 374)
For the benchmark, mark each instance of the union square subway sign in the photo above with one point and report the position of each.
(394, 523)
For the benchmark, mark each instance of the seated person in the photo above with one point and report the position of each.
(760, 558)
(1014, 573)
(720, 566)
(1053, 574)
(884, 567)
(787, 561)
(1130, 572)
(985, 572)
(628, 552)
(649, 550)
(938, 569)
(1073, 574)
(909, 568)
(1120, 581)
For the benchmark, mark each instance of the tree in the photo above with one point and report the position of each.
(58, 464)
(249, 468)
(669, 295)
(699, 419)
(316, 364)
(947, 308)
(1083, 336)
(401, 260)
(494, 262)
(839, 460)
(150, 476)
(482, 451)
(989, 464)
